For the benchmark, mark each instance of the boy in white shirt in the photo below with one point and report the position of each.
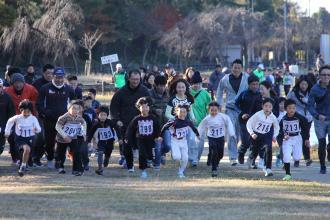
(216, 124)
(263, 127)
(26, 126)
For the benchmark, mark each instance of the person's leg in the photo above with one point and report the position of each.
(84, 155)
(166, 146)
(158, 145)
(26, 154)
(213, 153)
(128, 153)
(60, 152)
(50, 134)
(143, 154)
(184, 156)
(13, 148)
(192, 147)
(305, 149)
(268, 156)
(2, 143)
(254, 152)
(200, 144)
(39, 145)
(76, 147)
(245, 143)
(320, 131)
(176, 153)
(232, 142)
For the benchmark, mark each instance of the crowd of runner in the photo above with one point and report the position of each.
(154, 113)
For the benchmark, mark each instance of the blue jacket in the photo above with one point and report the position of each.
(319, 101)
(214, 80)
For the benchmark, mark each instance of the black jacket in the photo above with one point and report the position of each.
(7, 110)
(107, 124)
(52, 102)
(122, 106)
(301, 126)
(248, 102)
(40, 83)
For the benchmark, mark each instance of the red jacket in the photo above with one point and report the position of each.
(28, 92)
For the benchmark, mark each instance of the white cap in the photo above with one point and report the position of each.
(261, 66)
(118, 65)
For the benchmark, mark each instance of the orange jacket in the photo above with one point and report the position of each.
(29, 92)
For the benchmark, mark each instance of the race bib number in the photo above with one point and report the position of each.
(263, 127)
(25, 131)
(215, 132)
(73, 130)
(105, 134)
(181, 132)
(145, 127)
(291, 126)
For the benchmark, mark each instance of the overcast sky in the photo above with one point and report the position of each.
(314, 5)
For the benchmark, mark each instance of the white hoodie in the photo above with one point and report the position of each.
(216, 126)
(262, 124)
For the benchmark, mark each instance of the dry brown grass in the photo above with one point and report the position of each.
(236, 194)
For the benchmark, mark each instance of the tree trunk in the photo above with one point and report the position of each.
(74, 58)
(146, 50)
(32, 55)
(89, 63)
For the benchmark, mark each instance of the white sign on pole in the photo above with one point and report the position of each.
(109, 59)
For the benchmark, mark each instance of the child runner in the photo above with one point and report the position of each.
(294, 131)
(282, 112)
(26, 126)
(145, 128)
(216, 124)
(92, 93)
(178, 129)
(263, 128)
(71, 132)
(104, 132)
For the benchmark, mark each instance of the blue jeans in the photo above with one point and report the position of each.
(232, 142)
(193, 149)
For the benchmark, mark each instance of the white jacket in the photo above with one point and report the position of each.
(216, 126)
(24, 126)
(262, 124)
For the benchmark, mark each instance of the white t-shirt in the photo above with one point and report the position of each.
(216, 126)
(24, 126)
(262, 124)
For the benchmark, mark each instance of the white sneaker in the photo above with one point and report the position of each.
(268, 172)
(233, 162)
(50, 164)
(181, 175)
(144, 174)
(261, 163)
(131, 170)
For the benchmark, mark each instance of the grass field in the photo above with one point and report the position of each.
(237, 193)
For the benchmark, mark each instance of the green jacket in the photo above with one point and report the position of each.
(260, 74)
(120, 79)
(201, 101)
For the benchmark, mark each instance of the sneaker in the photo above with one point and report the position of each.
(214, 173)
(163, 160)
(194, 163)
(268, 172)
(121, 160)
(131, 170)
(77, 173)
(61, 171)
(241, 158)
(323, 170)
(261, 163)
(37, 163)
(144, 174)
(296, 164)
(309, 162)
(50, 164)
(136, 154)
(287, 177)
(233, 162)
(21, 171)
(99, 172)
(157, 168)
(181, 175)
(106, 161)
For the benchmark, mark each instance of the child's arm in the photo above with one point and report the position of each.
(91, 133)
(36, 125)
(250, 124)
(166, 126)
(281, 134)
(9, 125)
(168, 112)
(229, 125)
(276, 127)
(59, 125)
(191, 125)
(203, 126)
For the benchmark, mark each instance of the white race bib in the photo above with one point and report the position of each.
(25, 131)
(145, 127)
(263, 127)
(291, 126)
(215, 132)
(73, 130)
(105, 134)
(181, 132)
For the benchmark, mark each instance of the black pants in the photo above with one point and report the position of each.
(104, 148)
(76, 148)
(306, 150)
(84, 153)
(216, 146)
(2, 142)
(263, 146)
(245, 139)
(14, 152)
(38, 148)
(145, 150)
(50, 134)
(322, 151)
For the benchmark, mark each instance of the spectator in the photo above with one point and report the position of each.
(214, 80)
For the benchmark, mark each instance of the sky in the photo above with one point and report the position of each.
(314, 5)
